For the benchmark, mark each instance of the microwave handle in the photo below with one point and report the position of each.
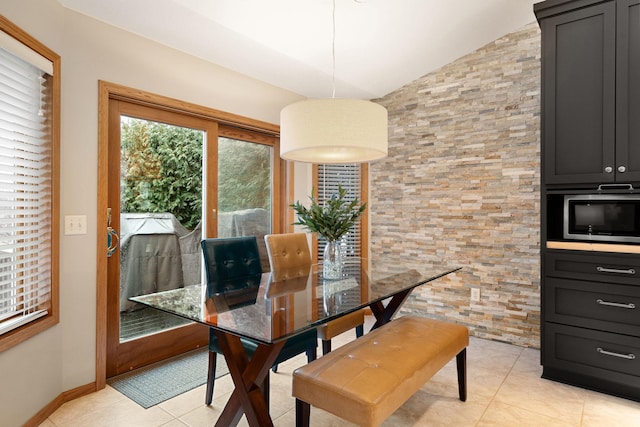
(603, 187)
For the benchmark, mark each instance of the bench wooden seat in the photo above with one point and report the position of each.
(366, 380)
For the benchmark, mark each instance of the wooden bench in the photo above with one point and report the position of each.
(366, 380)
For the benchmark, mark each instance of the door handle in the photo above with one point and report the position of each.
(113, 239)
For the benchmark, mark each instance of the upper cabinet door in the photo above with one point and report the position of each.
(628, 91)
(578, 50)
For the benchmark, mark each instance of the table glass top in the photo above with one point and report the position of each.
(277, 305)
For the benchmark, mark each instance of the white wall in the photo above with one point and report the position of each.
(63, 357)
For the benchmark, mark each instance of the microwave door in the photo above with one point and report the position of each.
(603, 218)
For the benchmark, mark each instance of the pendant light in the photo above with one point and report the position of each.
(333, 130)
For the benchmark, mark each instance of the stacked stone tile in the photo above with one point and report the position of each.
(461, 185)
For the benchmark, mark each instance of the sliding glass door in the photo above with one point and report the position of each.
(174, 179)
(245, 190)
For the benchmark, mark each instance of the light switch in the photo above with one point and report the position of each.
(75, 224)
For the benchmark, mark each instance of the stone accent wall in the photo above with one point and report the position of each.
(462, 185)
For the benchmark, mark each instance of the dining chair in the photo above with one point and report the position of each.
(231, 265)
(291, 250)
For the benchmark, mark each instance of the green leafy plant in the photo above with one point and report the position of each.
(332, 220)
(162, 171)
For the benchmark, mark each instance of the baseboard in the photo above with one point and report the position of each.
(60, 400)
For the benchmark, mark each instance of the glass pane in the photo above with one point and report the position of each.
(160, 220)
(330, 178)
(245, 191)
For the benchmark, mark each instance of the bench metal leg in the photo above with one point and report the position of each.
(461, 362)
(303, 412)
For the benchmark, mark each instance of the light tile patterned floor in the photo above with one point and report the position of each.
(505, 389)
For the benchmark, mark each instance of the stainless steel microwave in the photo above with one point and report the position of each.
(611, 218)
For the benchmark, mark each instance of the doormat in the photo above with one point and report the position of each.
(161, 381)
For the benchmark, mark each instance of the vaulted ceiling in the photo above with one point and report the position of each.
(380, 45)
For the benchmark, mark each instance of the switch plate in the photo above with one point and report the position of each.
(75, 224)
(475, 294)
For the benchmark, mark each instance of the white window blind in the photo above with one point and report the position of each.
(25, 53)
(25, 191)
(349, 177)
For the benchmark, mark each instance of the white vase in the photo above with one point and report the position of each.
(332, 261)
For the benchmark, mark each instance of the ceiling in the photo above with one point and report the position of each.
(380, 45)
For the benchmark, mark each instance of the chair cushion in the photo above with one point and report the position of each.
(335, 327)
(231, 263)
(288, 251)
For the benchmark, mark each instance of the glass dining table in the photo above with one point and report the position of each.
(280, 305)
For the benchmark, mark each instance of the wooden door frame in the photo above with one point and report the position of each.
(107, 91)
(141, 351)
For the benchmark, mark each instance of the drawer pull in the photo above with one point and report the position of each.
(615, 270)
(629, 356)
(616, 304)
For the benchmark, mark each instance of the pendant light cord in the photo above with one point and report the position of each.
(333, 50)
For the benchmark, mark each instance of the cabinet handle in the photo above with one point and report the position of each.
(629, 356)
(630, 305)
(616, 270)
(608, 169)
(622, 169)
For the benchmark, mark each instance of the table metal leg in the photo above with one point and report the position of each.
(247, 377)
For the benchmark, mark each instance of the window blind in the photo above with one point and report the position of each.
(349, 177)
(25, 53)
(25, 192)
(330, 176)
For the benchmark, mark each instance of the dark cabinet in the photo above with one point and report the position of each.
(590, 314)
(590, 61)
(591, 329)
(628, 89)
(594, 359)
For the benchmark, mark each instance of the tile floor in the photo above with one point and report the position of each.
(505, 389)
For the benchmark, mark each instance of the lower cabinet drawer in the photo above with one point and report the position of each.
(594, 353)
(593, 305)
(598, 267)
